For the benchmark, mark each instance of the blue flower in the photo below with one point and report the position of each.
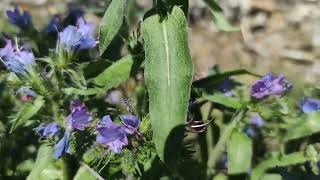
(53, 26)
(78, 37)
(15, 59)
(250, 132)
(26, 94)
(111, 135)
(226, 87)
(131, 123)
(73, 17)
(270, 85)
(309, 105)
(63, 146)
(80, 117)
(21, 20)
(49, 130)
(257, 120)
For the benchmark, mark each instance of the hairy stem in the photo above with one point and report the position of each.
(220, 146)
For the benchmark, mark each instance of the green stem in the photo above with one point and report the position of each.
(215, 154)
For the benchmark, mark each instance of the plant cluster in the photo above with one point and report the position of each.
(166, 126)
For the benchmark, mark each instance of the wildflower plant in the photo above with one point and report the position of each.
(62, 90)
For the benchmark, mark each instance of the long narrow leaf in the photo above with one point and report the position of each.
(27, 111)
(168, 74)
(44, 158)
(111, 23)
(216, 78)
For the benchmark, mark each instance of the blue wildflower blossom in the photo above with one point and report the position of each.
(309, 105)
(73, 16)
(131, 123)
(226, 87)
(257, 120)
(270, 85)
(111, 135)
(250, 132)
(78, 37)
(63, 146)
(80, 118)
(53, 26)
(15, 59)
(23, 20)
(50, 130)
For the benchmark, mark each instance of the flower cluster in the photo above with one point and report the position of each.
(269, 85)
(23, 20)
(113, 135)
(77, 37)
(17, 59)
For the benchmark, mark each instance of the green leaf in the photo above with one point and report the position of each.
(83, 92)
(118, 72)
(111, 23)
(271, 177)
(304, 126)
(84, 174)
(168, 75)
(239, 153)
(92, 69)
(220, 98)
(44, 159)
(216, 78)
(219, 19)
(278, 161)
(27, 111)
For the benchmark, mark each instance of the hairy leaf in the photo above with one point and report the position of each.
(168, 74)
(44, 159)
(216, 78)
(111, 23)
(271, 177)
(84, 92)
(27, 111)
(220, 98)
(304, 127)
(239, 153)
(118, 72)
(278, 161)
(84, 174)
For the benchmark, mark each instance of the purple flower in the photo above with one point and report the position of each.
(49, 130)
(21, 20)
(131, 123)
(226, 86)
(62, 146)
(309, 104)
(77, 38)
(80, 117)
(257, 120)
(53, 26)
(269, 85)
(111, 135)
(15, 59)
(73, 17)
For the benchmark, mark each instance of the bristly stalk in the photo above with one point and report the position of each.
(220, 146)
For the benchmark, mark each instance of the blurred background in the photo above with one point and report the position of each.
(279, 36)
